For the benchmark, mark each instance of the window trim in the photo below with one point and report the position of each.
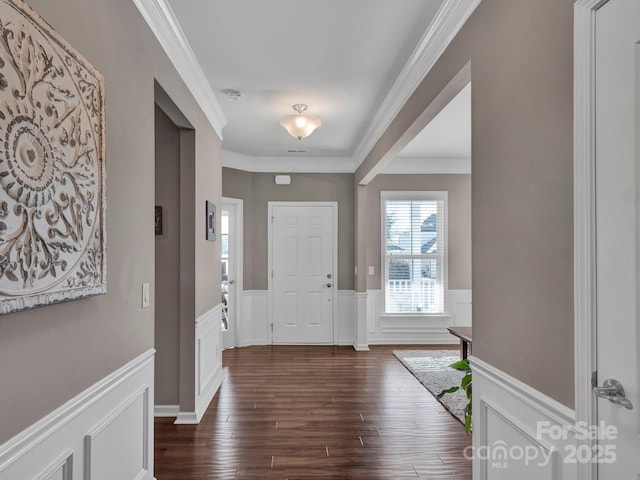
(408, 196)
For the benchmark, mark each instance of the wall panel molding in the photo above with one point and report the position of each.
(360, 313)
(255, 329)
(208, 362)
(512, 417)
(386, 329)
(116, 436)
(54, 447)
(347, 314)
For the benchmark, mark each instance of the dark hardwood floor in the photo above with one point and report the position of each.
(297, 413)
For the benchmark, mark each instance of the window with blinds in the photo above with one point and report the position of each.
(414, 251)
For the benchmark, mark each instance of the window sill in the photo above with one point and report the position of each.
(416, 316)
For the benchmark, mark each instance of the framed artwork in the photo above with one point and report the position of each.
(52, 166)
(158, 220)
(211, 220)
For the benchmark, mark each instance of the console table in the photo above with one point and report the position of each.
(464, 334)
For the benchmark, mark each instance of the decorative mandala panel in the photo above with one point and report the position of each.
(52, 178)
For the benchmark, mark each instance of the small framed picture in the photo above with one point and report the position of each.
(211, 221)
(158, 220)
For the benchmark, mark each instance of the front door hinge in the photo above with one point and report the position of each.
(594, 379)
(273, 219)
(271, 273)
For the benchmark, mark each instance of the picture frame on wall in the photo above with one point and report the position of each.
(210, 220)
(158, 220)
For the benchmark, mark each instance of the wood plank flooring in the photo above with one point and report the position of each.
(298, 413)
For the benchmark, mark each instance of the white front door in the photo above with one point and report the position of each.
(303, 262)
(617, 142)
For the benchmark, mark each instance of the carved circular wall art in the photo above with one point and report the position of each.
(52, 184)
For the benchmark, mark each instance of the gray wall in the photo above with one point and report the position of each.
(257, 189)
(53, 353)
(521, 55)
(459, 216)
(167, 261)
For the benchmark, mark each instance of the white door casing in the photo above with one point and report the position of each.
(302, 268)
(607, 136)
(617, 137)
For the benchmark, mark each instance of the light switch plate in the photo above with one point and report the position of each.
(146, 301)
(371, 270)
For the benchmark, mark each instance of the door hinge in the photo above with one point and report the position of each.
(273, 220)
(271, 273)
(594, 379)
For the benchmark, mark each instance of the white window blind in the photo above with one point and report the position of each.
(414, 258)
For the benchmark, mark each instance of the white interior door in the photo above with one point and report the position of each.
(617, 184)
(303, 263)
(231, 250)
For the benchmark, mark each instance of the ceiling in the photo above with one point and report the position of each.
(444, 145)
(341, 58)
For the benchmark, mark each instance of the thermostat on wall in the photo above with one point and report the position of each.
(283, 180)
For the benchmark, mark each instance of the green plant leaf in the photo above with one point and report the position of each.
(461, 365)
(449, 390)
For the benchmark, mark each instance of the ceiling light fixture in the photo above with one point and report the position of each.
(300, 126)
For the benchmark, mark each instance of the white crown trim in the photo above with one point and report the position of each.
(448, 21)
(164, 24)
(427, 165)
(292, 164)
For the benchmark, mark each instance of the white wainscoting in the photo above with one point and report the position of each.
(208, 362)
(417, 329)
(459, 305)
(347, 316)
(518, 432)
(254, 328)
(106, 432)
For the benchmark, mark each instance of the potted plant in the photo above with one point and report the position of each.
(465, 384)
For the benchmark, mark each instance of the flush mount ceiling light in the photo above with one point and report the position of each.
(300, 126)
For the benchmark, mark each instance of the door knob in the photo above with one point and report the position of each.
(612, 390)
(231, 282)
(328, 285)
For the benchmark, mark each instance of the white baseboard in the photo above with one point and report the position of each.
(106, 432)
(510, 417)
(187, 418)
(162, 411)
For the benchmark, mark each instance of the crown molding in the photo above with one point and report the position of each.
(448, 21)
(432, 166)
(293, 164)
(164, 24)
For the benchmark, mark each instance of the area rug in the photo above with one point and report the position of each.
(431, 368)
